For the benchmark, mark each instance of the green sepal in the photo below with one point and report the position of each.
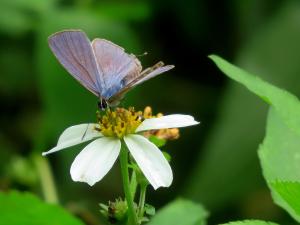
(149, 209)
(157, 141)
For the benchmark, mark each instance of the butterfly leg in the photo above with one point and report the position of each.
(102, 104)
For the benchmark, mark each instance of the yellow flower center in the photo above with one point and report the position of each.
(119, 122)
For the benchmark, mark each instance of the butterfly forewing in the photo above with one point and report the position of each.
(117, 66)
(73, 50)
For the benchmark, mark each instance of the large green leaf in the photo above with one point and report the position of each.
(222, 162)
(285, 103)
(290, 192)
(24, 208)
(279, 153)
(280, 159)
(181, 212)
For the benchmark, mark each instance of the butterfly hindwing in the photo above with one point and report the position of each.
(147, 74)
(151, 73)
(73, 50)
(117, 66)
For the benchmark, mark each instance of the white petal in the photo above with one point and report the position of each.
(150, 160)
(95, 160)
(75, 135)
(170, 121)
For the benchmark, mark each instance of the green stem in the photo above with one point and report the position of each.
(133, 184)
(125, 177)
(46, 179)
(142, 201)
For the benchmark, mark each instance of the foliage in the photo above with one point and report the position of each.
(24, 208)
(271, 50)
(180, 211)
(278, 153)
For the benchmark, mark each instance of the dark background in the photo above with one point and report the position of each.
(215, 163)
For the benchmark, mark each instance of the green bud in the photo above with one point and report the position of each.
(115, 212)
(149, 210)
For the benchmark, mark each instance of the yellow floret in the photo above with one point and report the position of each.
(120, 122)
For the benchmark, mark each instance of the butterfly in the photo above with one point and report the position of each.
(101, 66)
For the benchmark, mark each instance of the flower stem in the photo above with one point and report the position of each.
(46, 179)
(133, 184)
(142, 201)
(132, 218)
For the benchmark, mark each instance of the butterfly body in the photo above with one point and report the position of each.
(101, 66)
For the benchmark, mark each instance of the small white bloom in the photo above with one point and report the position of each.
(98, 157)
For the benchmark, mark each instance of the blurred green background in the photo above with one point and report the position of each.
(215, 163)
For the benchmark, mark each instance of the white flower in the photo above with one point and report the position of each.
(98, 157)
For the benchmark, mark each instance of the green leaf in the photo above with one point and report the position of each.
(285, 103)
(180, 211)
(279, 153)
(250, 222)
(279, 156)
(290, 192)
(241, 115)
(24, 208)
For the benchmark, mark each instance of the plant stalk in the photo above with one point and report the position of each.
(133, 184)
(142, 201)
(46, 179)
(132, 218)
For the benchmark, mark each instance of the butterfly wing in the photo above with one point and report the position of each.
(73, 50)
(147, 74)
(117, 66)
